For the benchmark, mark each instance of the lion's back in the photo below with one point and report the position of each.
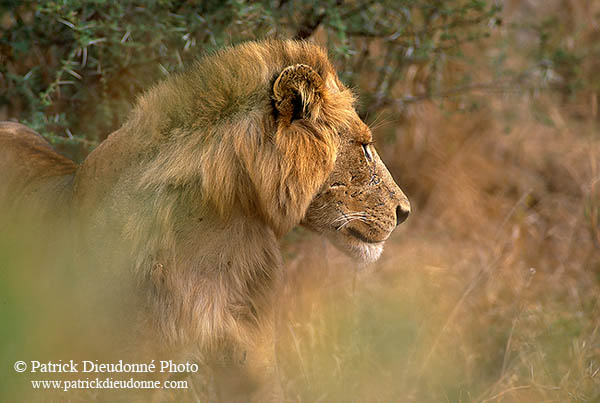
(33, 174)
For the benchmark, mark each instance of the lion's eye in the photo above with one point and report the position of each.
(367, 152)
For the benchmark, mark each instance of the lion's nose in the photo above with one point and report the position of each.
(402, 213)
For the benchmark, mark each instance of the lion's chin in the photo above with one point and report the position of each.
(365, 252)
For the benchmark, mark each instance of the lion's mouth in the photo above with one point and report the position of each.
(357, 234)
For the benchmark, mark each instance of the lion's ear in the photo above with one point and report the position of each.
(297, 92)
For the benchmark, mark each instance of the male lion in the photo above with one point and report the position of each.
(185, 203)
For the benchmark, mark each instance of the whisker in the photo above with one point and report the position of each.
(347, 222)
(351, 215)
(348, 216)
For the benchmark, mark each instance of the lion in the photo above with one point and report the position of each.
(186, 202)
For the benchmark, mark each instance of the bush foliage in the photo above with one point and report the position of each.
(71, 68)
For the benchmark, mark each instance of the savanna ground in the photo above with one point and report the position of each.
(490, 292)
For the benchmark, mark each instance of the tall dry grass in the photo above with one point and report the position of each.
(491, 291)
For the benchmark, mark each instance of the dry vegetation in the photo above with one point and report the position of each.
(490, 292)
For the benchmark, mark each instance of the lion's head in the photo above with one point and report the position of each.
(359, 204)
